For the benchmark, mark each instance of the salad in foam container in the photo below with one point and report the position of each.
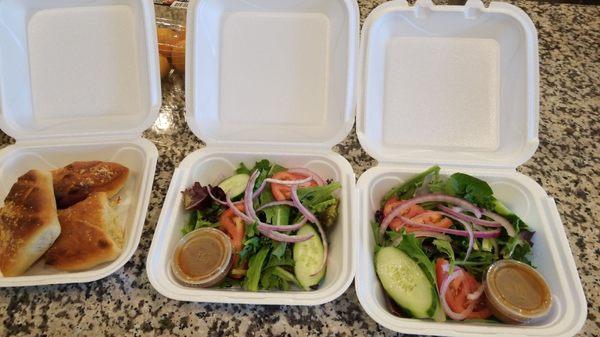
(276, 219)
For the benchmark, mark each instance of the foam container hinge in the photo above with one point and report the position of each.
(458, 86)
(267, 79)
(79, 81)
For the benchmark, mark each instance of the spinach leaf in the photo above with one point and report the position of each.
(473, 189)
(407, 190)
(255, 266)
(517, 249)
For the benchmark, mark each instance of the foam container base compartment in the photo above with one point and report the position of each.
(79, 81)
(551, 255)
(457, 86)
(138, 155)
(267, 79)
(212, 166)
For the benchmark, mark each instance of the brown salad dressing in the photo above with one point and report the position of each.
(517, 293)
(203, 257)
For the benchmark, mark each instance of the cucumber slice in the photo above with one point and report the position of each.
(235, 185)
(405, 282)
(308, 256)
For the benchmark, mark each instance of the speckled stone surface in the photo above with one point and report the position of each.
(567, 165)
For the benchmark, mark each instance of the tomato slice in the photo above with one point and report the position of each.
(415, 213)
(233, 226)
(459, 289)
(433, 218)
(284, 192)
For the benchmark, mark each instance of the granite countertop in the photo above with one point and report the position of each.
(567, 165)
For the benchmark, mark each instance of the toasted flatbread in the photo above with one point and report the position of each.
(76, 181)
(28, 222)
(90, 235)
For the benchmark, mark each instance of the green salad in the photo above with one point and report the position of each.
(277, 219)
(435, 238)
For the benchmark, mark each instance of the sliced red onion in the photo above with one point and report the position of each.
(277, 181)
(307, 214)
(312, 218)
(249, 205)
(217, 200)
(502, 221)
(471, 238)
(429, 227)
(469, 230)
(476, 294)
(248, 196)
(444, 289)
(286, 228)
(468, 218)
(286, 238)
(426, 198)
(237, 212)
(259, 190)
(275, 203)
(289, 182)
(325, 248)
(310, 173)
(421, 234)
(478, 228)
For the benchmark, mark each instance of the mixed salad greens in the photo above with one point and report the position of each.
(435, 237)
(256, 207)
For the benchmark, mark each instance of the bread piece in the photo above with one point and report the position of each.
(28, 222)
(90, 235)
(78, 180)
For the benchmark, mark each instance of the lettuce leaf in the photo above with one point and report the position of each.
(473, 189)
(408, 189)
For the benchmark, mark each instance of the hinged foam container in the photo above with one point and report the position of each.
(267, 79)
(458, 86)
(79, 80)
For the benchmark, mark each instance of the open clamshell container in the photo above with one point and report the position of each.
(267, 79)
(458, 86)
(79, 81)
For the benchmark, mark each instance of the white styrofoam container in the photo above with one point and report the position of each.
(458, 86)
(79, 81)
(267, 79)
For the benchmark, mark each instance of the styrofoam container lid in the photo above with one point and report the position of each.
(276, 72)
(73, 68)
(449, 84)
